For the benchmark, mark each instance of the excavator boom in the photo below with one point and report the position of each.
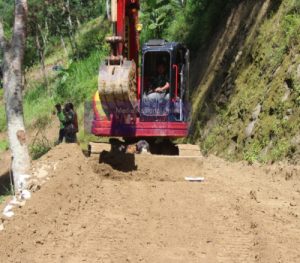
(118, 75)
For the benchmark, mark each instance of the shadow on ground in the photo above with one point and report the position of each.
(124, 162)
(5, 186)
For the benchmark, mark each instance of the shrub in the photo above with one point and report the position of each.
(39, 148)
(92, 38)
(79, 81)
(252, 152)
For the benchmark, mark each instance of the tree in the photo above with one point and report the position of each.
(13, 56)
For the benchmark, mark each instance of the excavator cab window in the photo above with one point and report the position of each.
(164, 65)
(156, 74)
(156, 64)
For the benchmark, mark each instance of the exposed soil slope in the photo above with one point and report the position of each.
(88, 212)
(246, 100)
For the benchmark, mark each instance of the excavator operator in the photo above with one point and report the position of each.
(160, 85)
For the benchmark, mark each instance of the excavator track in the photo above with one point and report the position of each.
(166, 149)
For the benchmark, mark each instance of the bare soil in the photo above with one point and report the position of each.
(91, 212)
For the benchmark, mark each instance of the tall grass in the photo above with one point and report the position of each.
(2, 112)
(79, 81)
(37, 105)
(3, 145)
(75, 84)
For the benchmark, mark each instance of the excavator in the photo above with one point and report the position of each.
(122, 105)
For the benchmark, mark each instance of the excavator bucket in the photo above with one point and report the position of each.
(117, 87)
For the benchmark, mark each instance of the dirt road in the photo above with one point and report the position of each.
(89, 212)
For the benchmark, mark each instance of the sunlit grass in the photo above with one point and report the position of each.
(3, 145)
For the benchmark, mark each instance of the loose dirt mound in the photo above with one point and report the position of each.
(90, 212)
(72, 185)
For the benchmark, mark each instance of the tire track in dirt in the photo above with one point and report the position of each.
(262, 204)
(144, 222)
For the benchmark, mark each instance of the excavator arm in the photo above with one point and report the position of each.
(118, 76)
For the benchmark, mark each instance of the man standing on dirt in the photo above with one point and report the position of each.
(71, 127)
(62, 121)
(75, 117)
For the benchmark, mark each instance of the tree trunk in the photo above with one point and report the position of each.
(42, 59)
(71, 30)
(78, 22)
(12, 82)
(63, 44)
(42, 51)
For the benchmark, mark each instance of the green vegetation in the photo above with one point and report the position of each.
(40, 144)
(50, 23)
(268, 75)
(2, 112)
(2, 118)
(75, 81)
(195, 23)
(3, 145)
(71, 78)
(39, 148)
(65, 34)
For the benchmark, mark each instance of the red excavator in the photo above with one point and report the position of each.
(125, 104)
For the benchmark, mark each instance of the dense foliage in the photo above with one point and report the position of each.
(192, 22)
(50, 22)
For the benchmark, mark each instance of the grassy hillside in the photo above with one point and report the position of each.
(75, 81)
(247, 103)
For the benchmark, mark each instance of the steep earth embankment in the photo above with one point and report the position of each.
(246, 100)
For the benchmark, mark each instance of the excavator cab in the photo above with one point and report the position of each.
(172, 59)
